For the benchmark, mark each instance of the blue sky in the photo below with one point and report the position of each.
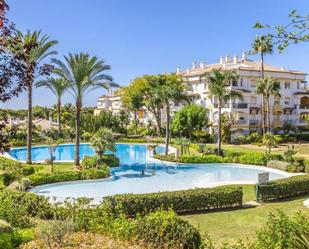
(146, 37)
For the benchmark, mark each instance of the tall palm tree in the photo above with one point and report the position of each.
(33, 48)
(84, 73)
(58, 86)
(218, 85)
(171, 91)
(262, 45)
(268, 87)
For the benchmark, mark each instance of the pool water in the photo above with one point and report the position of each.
(137, 174)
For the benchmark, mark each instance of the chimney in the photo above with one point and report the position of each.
(244, 56)
(221, 60)
(235, 59)
(227, 59)
(177, 70)
(50, 120)
(193, 65)
(202, 65)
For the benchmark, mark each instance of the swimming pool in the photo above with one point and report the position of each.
(158, 176)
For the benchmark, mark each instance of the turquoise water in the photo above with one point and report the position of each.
(128, 178)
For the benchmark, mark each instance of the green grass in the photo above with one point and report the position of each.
(58, 167)
(232, 225)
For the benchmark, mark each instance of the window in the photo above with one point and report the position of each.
(287, 85)
(298, 84)
(253, 84)
(241, 81)
(234, 83)
(286, 100)
(277, 101)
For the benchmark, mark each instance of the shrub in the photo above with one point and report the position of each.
(164, 229)
(284, 188)
(253, 158)
(200, 159)
(8, 178)
(39, 179)
(54, 233)
(17, 208)
(5, 227)
(110, 160)
(94, 173)
(45, 178)
(278, 165)
(89, 162)
(199, 199)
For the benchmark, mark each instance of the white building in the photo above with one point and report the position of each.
(290, 108)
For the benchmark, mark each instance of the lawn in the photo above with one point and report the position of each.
(232, 225)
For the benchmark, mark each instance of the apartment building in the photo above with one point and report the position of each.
(290, 108)
(113, 103)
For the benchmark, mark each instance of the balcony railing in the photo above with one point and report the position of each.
(240, 105)
(254, 122)
(234, 105)
(306, 107)
(241, 122)
(291, 122)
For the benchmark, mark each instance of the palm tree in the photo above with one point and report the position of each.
(218, 85)
(262, 45)
(171, 91)
(58, 86)
(84, 73)
(102, 141)
(269, 140)
(33, 48)
(268, 87)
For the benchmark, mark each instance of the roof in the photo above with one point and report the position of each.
(244, 64)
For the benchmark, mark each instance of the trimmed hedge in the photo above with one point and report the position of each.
(284, 188)
(39, 179)
(111, 160)
(199, 199)
(13, 170)
(89, 162)
(166, 230)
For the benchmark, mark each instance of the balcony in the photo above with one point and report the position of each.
(290, 122)
(254, 122)
(277, 123)
(278, 108)
(222, 106)
(241, 122)
(240, 105)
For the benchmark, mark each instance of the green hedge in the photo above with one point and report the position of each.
(89, 162)
(111, 160)
(199, 199)
(166, 230)
(39, 179)
(284, 188)
(13, 170)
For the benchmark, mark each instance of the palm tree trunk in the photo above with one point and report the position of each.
(59, 115)
(167, 132)
(268, 113)
(262, 65)
(29, 124)
(135, 122)
(219, 128)
(158, 122)
(263, 115)
(77, 131)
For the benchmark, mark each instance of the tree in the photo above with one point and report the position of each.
(191, 118)
(268, 87)
(262, 45)
(219, 88)
(101, 142)
(133, 99)
(124, 120)
(295, 31)
(270, 141)
(84, 73)
(33, 48)
(52, 146)
(172, 91)
(12, 70)
(58, 86)
(228, 120)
